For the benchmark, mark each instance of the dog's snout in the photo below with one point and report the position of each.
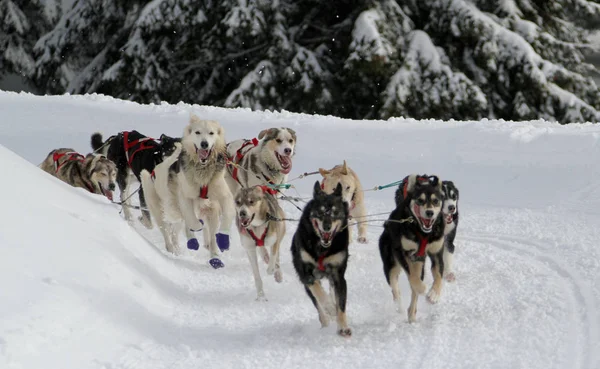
(243, 214)
(429, 213)
(287, 151)
(326, 225)
(111, 186)
(451, 207)
(204, 145)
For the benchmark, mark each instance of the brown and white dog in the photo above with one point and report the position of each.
(352, 193)
(267, 159)
(93, 172)
(261, 226)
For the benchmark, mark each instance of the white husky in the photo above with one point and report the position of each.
(189, 188)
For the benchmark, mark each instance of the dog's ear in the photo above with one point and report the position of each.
(344, 169)
(293, 133)
(163, 137)
(317, 191)
(338, 190)
(266, 132)
(411, 182)
(323, 172)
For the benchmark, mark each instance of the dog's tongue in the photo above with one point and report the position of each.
(203, 154)
(108, 194)
(449, 218)
(286, 164)
(326, 236)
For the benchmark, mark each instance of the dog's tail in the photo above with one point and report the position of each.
(97, 141)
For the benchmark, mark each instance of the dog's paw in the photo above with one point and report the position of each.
(265, 256)
(278, 275)
(450, 277)
(216, 263)
(362, 240)
(193, 244)
(260, 297)
(223, 241)
(345, 332)
(433, 296)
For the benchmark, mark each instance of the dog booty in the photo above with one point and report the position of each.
(216, 263)
(223, 241)
(198, 230)
(193, 244)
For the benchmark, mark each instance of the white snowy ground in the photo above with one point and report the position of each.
(80, 288)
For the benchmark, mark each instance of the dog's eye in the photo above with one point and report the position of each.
(420, 202)
(212, 133)
(279, 140)
(197, 132)
(251, 202)
(435, 202)
(291, 141)
(238, 203)
(453, 197)
(347, 188)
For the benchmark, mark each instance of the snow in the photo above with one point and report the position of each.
(80, 288)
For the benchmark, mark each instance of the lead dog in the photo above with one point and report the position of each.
(352, 193)
(267, 159)
(320, 250)
(95, 173)
(261, 226)
(450, 211)
(414, 230)
(132, 151)
(189, 188)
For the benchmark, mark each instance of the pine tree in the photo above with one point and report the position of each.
(445, 59)
(22, 22)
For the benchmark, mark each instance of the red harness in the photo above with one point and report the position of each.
(72, 156)
(239, 155)
(204, 192)
(423, 241)
(142, 142)
(258, 241)
(320, 263)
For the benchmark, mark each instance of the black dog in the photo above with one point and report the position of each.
(450, 210)
(132, 152)
(415, 229)
(320, 250)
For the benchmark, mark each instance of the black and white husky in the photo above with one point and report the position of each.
(320, 250)
(450, 211)
(414, 230)
(189, 188)
(132, 152)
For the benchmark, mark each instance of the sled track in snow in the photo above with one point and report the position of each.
(588, 319)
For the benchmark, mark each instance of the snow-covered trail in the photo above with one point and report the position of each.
(82, 289)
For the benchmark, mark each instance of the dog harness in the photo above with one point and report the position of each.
(204, 192)
(72, 155)
(260, 242)
(423, 241)
(144, 144)
(320, 262)
(239, 155)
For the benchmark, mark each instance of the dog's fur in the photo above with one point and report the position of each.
(93, 172)
(450, 210)
(352, 193)
(320, 250)
(417, 216)
(174, 196)
(114, 149)
(264, 162)
(258, 211)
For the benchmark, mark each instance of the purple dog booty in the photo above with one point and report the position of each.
(193, 244)
(216, 263)
(223, 241)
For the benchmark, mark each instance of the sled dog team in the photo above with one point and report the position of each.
(199, 182)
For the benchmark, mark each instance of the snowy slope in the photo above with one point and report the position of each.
(79, 288)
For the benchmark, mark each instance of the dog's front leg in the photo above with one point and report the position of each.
(319, 298)
(186, 205)
(225, 200)
(360, 216)
(437, 269)
(341, 291)
(274, 267)
(415, 273)
(251, 252)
